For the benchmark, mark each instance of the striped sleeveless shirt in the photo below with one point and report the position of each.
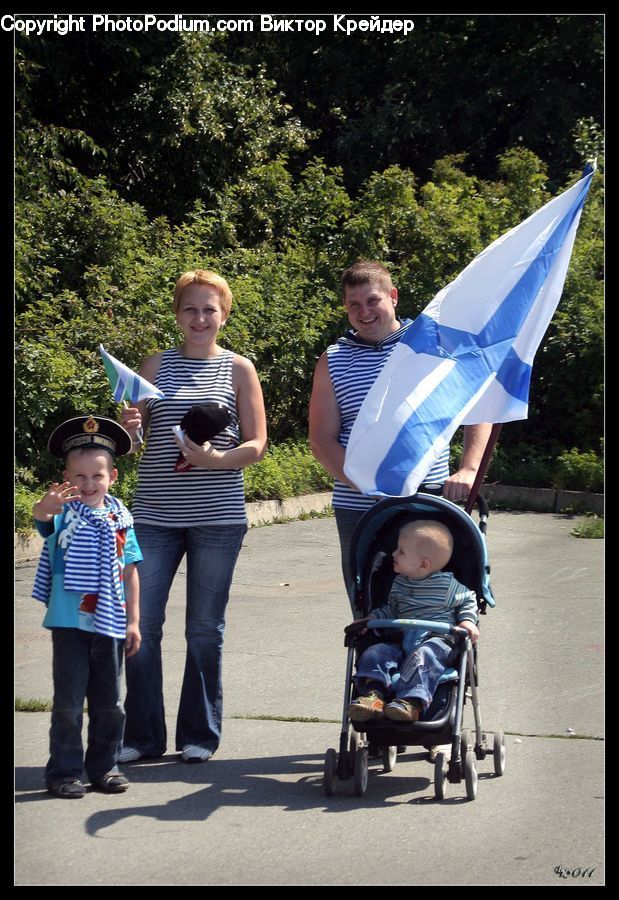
(354, 366)
(198, 496)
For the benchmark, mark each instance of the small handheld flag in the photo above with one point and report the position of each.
(127, 384)
(467, 358)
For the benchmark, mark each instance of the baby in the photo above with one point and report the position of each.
(421, 590)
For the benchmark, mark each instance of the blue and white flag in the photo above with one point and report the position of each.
(467, 358)
(127, 384)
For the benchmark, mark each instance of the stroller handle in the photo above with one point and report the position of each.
(403, 624)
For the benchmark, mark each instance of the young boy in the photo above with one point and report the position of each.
(87, 578)
(420, 591)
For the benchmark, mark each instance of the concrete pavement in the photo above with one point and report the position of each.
(256, 813)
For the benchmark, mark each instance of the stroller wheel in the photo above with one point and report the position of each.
(355, 739)
(440, 776)
(465, 737)
(390, 755)
(470, 775)
(361, 771)
(329, 777)
(499, 753)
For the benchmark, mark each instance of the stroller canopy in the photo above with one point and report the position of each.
(375, 538)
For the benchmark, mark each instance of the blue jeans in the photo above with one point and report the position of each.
(85, 666)
(389, 669)
(212, 552)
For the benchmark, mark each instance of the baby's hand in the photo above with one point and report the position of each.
(54, 500)
(358, 626)
(472, 629)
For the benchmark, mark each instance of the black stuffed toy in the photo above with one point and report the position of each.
(201, 423)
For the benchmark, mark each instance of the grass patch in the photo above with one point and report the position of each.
(269, 718)
(562, 737)
(325, 513)
(32, 704)
(593, 527)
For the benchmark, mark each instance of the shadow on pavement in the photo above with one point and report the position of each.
(249, 782)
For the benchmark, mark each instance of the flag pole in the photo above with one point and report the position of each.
(485, 461)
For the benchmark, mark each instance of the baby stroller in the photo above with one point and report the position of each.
(373, 542)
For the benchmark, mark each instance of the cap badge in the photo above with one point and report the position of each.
(90, 425)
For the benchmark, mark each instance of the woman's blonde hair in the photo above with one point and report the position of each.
(203, 276)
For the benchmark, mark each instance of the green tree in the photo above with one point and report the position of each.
(477, 84)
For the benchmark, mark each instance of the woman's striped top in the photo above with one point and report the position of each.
(354, 366)
(198, 496)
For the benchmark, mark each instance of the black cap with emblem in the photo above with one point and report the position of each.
(89, 431)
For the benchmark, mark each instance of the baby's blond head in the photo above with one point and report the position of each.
(427, 540)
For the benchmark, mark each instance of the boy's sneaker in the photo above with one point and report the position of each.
(370, 706)
(129, 754)
(403, 711)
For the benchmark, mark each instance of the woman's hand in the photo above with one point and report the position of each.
(131, 421)
(202, 456)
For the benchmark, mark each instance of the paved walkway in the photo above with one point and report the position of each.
(256, 813)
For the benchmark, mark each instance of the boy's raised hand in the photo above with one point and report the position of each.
(54, 500)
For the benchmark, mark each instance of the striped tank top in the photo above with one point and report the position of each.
(198, 496)
(354, 366)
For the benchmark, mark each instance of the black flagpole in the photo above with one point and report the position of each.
(485, 461)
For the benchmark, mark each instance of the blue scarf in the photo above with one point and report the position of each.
(91, 565)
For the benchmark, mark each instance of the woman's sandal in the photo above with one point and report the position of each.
(112, 783)
(67, 788)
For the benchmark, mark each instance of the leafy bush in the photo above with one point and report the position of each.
(521, 465)
(126, 483)
(96, 260)
(288, 470)
(25, 498)
(578, 471)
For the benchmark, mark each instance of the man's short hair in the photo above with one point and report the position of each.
(366, 271)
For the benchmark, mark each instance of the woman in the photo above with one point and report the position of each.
(199, 511)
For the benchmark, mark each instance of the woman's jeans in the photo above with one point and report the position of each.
(212, 552)
(389, 669)
(86, 666)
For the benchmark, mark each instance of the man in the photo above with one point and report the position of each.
(344, 375)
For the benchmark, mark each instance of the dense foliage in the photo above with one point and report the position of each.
(277, 164)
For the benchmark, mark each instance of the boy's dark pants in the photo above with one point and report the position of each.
(86, 666)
